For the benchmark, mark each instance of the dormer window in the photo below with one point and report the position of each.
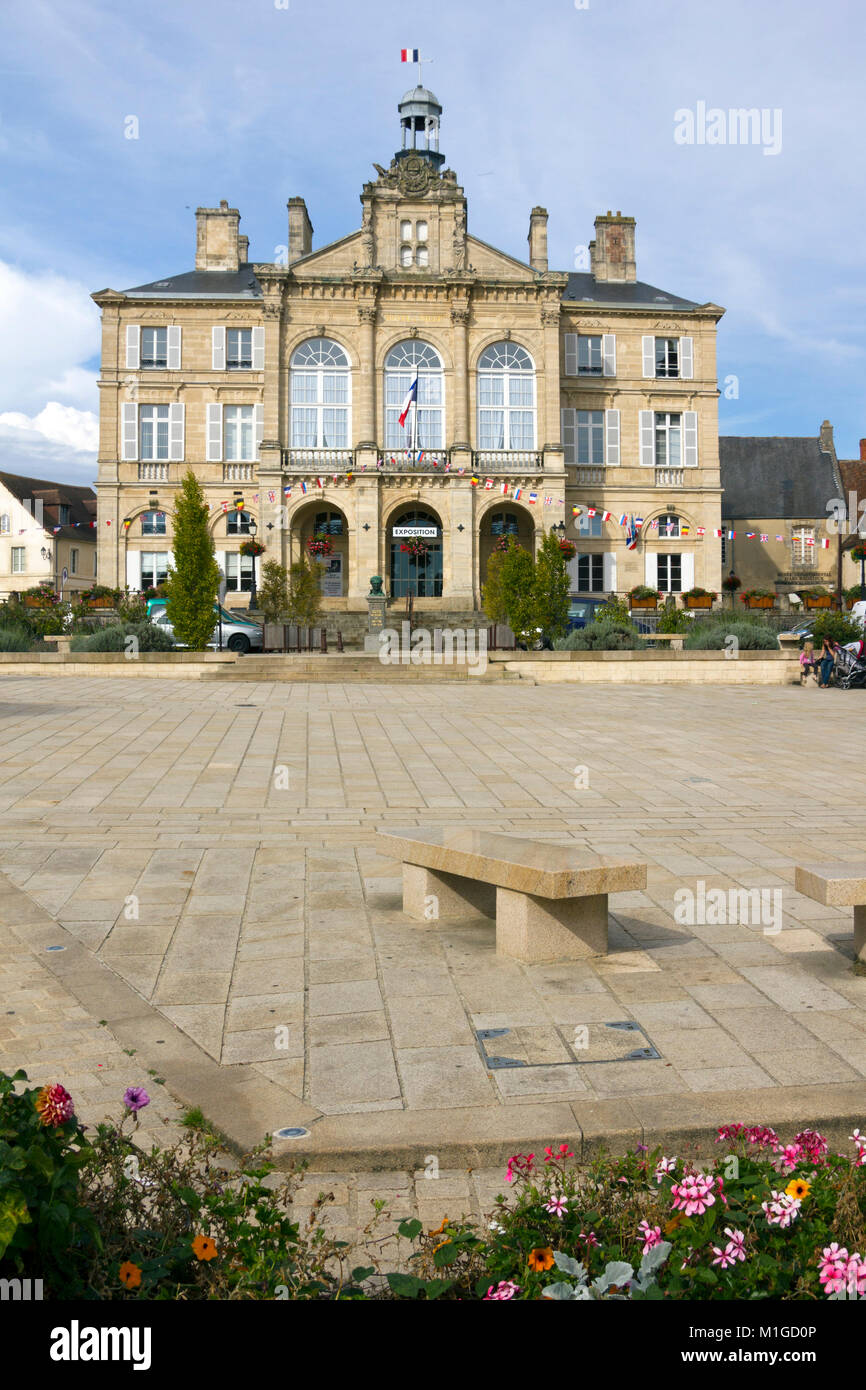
(414, 250)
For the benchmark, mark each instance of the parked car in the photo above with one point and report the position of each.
(582, 611)
(238, 634)
(803, 629)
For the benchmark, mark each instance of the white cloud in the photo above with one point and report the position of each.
(49, 328)
(60, 424)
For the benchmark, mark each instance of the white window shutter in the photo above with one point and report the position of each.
(648, 345)
(687, 358)
(569, 434)
(129, 421)
(647, 438)
(571, 354)
(258, 349)
(609, 572)
(611, 438)
(133, 346)
(175, 432)
(214, 449)
(651, 573)
(220, 557)
(218, 348)
(133, 569)
(608, 354)
(690, 438)
(573, 580)
(174, 347)
(687, 570)
(259, 421)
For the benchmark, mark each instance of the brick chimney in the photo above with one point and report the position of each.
(300, 230)
(826, 437)
(611, 255)
(216, 238)
(538, 239)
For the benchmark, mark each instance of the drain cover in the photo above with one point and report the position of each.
(545, 1045)
(291, 1132)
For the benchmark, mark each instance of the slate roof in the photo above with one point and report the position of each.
(202, 284)
(583, 288)
(80, 500)
(853, 476)
(775, 476)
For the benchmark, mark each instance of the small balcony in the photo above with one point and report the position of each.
(589, 473)
(507, 461)
(670, 477)
(318, 460)
(238, 472)
(153, 472)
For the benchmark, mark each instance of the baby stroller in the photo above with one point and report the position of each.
(849, 672)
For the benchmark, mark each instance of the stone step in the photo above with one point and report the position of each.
(346, 668)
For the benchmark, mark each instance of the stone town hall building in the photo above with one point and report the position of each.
(281, 385)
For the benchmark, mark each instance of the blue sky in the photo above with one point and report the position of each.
(573, 108)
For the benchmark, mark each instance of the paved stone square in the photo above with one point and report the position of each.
(206, 854)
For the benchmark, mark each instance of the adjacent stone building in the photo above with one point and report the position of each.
(46, 528)
(281, 385)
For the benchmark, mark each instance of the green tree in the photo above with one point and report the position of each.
(273, 593)
(492, 600)
(193, 583)
(517, 575)
(550, 589)
(305, 594)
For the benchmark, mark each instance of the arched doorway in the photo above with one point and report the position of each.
(323, 536)
(496, 527)
(415, 553)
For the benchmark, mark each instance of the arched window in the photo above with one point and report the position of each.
(238, 523)
(401, 365)
(416, 554)
(669, 525)
(321, 394)
(328, 523)
(506, 398)
(504, 524)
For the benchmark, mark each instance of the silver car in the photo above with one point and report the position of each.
(238, 634)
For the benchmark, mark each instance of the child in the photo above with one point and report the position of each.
(807, 661)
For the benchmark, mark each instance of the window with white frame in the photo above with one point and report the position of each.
(506, 398)
(154, 568)
(153, 432)
(239, 348)
(420, 231)
(589, 362)
(406, 255)
(590, 437)
(4, 524)
(239, 572)
(422, 255)
(19, 559)
(239, 432)
(64, 514)
(669, 574)
(669, 450)
(73, 561)
(589, 526)
(669, 525)
(321, 393)
(154, 347)
(803, 547)
(238, 523)
(153, 523)
(667, 356)
(590, 574)
(401, 365)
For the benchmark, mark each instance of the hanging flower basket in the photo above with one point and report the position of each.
(320, 544)
(502, 543)
(568, 548)
(858, 553)
(418, 549)
(252, 547)
(731, 583)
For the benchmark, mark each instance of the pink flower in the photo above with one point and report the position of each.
(590, 1239)
(665, 1165)
(736, 1241)
(504, 1290)
(859, 1142)
(54, 1105)
(557, 1206)
(652, 1235)
(562, 1152)
(813, 1144)
(724, 1257)
(693, 1194)
(789, 1158)
(781, 1210)
(521, 1162)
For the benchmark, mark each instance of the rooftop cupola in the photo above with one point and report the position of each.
(419, 122)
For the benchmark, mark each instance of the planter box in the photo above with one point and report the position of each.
(822, 601)
(99, 602)
(651, 603)
(33, 602)
(694, 602)
(760, 603)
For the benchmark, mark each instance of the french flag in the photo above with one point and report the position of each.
(409, 55)
(411, 399)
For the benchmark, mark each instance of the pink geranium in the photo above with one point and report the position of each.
(781, 1210)
(693, 1194)
(504, 1290)
(665, 1166)
(652, 1236)
(557, 1206)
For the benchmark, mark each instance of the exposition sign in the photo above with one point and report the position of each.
(429, 533)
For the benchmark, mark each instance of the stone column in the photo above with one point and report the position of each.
(549, 421)
(459, 339)
(365, 428)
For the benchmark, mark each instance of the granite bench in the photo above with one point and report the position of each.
(549, 901)
(837, 885)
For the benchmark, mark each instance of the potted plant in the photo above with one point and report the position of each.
(252, 547)
(320, 544)
(641, 596)
(568, 548)
(851, 595)
(758, 598)
(816, 597)
(699, 598)
(100, 596)
(42, 596)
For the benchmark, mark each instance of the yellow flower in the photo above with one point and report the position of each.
(204, 1248)
(799, 1188)
(439, 1229)
(541, 1259)
(129, 1274)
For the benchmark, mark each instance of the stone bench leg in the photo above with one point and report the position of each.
(430, 896)
(537, 929)
(860, 934)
